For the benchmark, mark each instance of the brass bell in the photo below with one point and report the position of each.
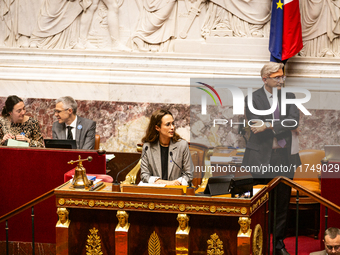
(80, 180)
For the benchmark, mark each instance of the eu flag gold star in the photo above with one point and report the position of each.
(279, 5)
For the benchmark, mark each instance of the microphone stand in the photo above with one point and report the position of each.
(190, 190)
(116, 185)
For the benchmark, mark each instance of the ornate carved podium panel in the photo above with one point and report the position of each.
(105, 222)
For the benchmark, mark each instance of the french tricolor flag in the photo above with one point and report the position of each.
(285, 30)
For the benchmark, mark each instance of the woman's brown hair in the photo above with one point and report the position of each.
(11, 101)
(152, 135)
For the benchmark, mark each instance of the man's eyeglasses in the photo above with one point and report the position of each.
(277, 79)
(59, 111)
(335, 247)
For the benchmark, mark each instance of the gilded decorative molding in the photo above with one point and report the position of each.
(228, 209)
(258, 202)
(245, 230)
(258, 240)
(63, 218)
(197, 208)
(154, 245)
(123, 221)
(91, 203)
(61, 201)
(244, 210)
(76, 202)
(213, 209)
(154, 206)
(167, 207)
(106, 203)
(182, 207)
(136, 205)
(131, 177)
(93, 246)
(121, 204)
(183, 224)
(215, 245)
(182, 234)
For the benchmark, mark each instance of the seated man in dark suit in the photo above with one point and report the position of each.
(332, 242)
(70, 126)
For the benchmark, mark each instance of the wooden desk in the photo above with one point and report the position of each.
(153, 213)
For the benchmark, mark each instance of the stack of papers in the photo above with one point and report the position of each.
(237, 159)
(220, 159)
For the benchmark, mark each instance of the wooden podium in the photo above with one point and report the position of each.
(152, 219)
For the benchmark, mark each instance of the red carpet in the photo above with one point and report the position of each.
(306, 245)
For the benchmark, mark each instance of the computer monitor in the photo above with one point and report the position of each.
(60, 144)
(218, 185)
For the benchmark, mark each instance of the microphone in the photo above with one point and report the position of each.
(116, 181)
(189, 181)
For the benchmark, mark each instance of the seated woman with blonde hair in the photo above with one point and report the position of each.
(166, 157)
(14, 124)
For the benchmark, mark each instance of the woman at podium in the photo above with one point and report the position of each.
(166, 157)
(14, 124)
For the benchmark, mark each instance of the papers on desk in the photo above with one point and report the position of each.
(151, 184)
(90, 178)
(255, 191)
(237, 159)
(109, 157)
(15, 143)
(97, 180)
(247, 194)
(220, 159)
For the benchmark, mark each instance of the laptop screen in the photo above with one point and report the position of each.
(60, 144)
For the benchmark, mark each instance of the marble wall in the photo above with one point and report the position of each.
(316, 130)
(120, 125)
(24, 248)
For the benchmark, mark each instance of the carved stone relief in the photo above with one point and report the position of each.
(320, 21)
(158, 25)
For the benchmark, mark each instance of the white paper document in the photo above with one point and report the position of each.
(15, 143)
(151, 184)
(220, 159)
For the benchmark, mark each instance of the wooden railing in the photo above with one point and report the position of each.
(309, 193)
(22, 208)
(328, 204)
(27, 205)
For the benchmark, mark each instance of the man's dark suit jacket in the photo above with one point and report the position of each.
(259, 147)
(85, 132)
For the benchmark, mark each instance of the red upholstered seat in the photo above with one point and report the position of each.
(106, 178)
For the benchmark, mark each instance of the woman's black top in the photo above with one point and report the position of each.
(164, 160)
